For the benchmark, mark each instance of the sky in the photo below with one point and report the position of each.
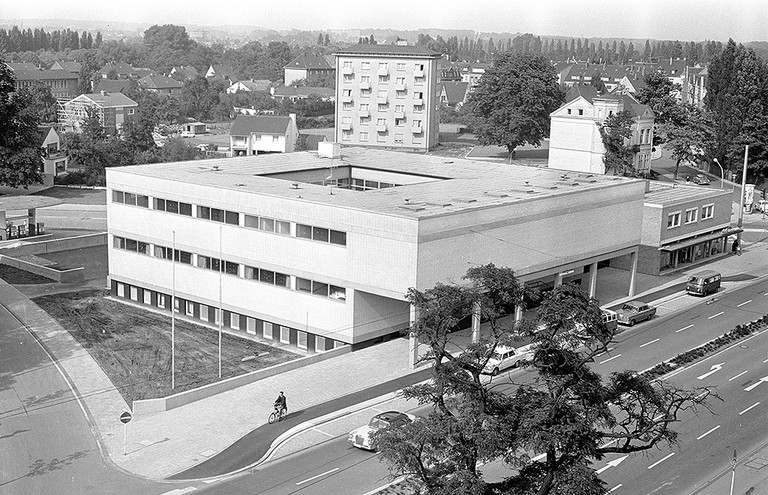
(684, 20)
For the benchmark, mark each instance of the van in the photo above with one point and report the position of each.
(703, 283)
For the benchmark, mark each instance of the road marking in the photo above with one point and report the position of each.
(539, 457)
(714, 369)
(751, 387)
(684, 328)
(766, 294)
(745, 302)
(610, 359)
(318, 476)
(649, 343)
(660, 461)
(735, 377)
(180, 491)
(716, 315)
(707, 433)
(611, 464)
(750, 407)
(608, 443)
(323, 432)
(615, 488)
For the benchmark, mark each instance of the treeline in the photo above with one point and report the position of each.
(616, 52)
(29, 40)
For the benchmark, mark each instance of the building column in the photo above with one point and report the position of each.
(413, 342)
(475, 322)
(558, 279)
(3, 231)
(592, 279)
(632, 273)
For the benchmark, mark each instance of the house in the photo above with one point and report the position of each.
(694, 87)
(388, 97)
(64, 84)
(112, 86)
(575, 142)
(318, 250)
(161, 84)
(252, 85)
(55, 159)
(114, 109)
(305, 66)
(302, 93)
(221, 72)
(453, 93)
(73, 67)
(682, 226)
(472, 73)
(15, 66)
(449, 71)
(183, 73)
(254, 134)
(630, 84)
(118, 70)
(194, 128)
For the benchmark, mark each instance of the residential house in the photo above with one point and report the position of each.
(254, 134)
(630, 84)
(305, 66)
(453, 93)
(449, 71)
(55, 160)
(64, 84)
(118, 70)
(161, 84)
(252, 85)
(302, 93)
(183, 73)
(694, 88)
(388, 97)
(112, 86)
(682, 226)
(114, 109)
(221, 72)
(73, 67)
(472, 73)
(575, 142)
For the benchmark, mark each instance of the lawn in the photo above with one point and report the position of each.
(15, 276)
(133, 346)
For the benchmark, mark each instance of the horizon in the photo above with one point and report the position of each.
(683, 20)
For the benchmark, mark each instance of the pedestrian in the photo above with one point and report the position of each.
(735, 247)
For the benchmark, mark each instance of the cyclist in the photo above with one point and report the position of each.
(281, 405)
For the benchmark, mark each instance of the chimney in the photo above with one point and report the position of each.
(292, 116)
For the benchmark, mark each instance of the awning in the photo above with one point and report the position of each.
(698, 240)
(12, 203)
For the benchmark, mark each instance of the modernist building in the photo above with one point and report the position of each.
(575, 142)
(318, 250)
(387, 97)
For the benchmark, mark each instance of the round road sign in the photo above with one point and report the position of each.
(125, 417)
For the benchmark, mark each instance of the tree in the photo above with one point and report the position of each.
(659, 94)
(41, 103)
(20, 151)
(597, 82)
(512, 103)
(569, 413)
(615, 132)
(687, 134)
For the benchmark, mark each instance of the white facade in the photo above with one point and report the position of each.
(337, 255)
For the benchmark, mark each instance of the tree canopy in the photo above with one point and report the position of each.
(659, 94)
(687, 134)
(615, 133)
(567, 412)
(513, 100)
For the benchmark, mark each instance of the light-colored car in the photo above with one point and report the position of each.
(361, 437)
(634, 312)
(701, 180)
(187, 134)
(507, 357)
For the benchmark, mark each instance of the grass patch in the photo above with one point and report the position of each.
(15, 276)
(133, 346)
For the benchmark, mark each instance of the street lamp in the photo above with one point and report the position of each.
(722, 173)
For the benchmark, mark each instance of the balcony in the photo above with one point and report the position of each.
(346, 99)
(382, 98)
(365, 85)
(383, 71)
(347, 70)
(400, 86)
(346, 126)
(364, 113)
(399, 115)
(418, 101)
(417, 129)
(418, 73)
(381, 127)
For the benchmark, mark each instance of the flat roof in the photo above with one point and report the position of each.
(448, 185)
(12, 203)
(668, 194)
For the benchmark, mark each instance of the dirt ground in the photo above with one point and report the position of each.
(133, 346)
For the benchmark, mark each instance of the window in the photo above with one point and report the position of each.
(346, 120)
(131, 111)
(204, 312)
(118, 196)
(401, 66)
(302, 339)
(159, 204)
(418, 67)
(581, 111)
(204, 212)
(319, 234)
(383, 107)
(336, 292)
(251, 273)
(130, 198)
(285, 335)
(365, 120)
(363, 137)
(348, 78)
(569, 111)
(338, 237)
(346, 92)
(347, 105)
(282, 227)
(189, 308)
(347, 64)
(707, 211)
(172, 206)
(365, 79)
(399, 122)
(418, 81)
(416, 123)
(120, 289)
(400, 108)
(303, 285)
(381, 137)
(400, 81)
(365, 93)
(147, 297)
(282, 280)
(183, 257)
(365, 65)
(267, 330)
(383, 66)
(161, 301)
(673, 220)
(418, 95)
(383, 79)
(304, 231)
(267, 224)
(381, 122)
(163, 252)
(418, 108)
(217, 215)
(691, 215)
(364, 107)
(231, 268)
(398, 139)
(319, 344)
(234, 321)
(346, 135)
(400, 93)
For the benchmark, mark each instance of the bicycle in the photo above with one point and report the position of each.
(277, 415)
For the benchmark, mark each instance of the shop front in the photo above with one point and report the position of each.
(695, 250)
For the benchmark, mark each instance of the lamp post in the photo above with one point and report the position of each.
(741, 198)
(722, 172)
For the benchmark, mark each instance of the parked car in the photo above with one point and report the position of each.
(701, 180)
(703, 283)
(361, 437)
(507, 357)
(635, 311)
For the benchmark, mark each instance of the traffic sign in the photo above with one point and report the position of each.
(125, 417)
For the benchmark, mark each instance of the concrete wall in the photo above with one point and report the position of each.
(65, 244)
(63, 276)
(376, 316)
(144, 408)
(575, 144)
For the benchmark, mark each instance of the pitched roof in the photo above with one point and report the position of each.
(223, 71)
(586, 91)
(155, 81)
(455, 91)
(184, 72)
(14, 66)
(265, 124)
(118, 67)
(309, 62)
(108, 100)
(630, 104)
(112, 85)
(404, 50)
(67, 65)
(304, 91)
(257, 85)
(42, 75)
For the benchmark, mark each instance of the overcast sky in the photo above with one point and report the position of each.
(742, 20)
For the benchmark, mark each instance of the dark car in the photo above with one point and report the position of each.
(701, 180)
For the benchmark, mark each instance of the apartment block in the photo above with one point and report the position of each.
(387, 97)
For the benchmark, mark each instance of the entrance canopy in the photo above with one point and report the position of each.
(697, 240)
(12, 203)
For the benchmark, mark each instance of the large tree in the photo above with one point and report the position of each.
(659, 93)
(615, 133)
(568, 412)
(687, 134)
(513, 100)
(20, 151)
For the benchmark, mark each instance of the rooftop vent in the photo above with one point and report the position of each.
(216, 168)
(295, 185)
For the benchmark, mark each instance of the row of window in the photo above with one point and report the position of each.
(364, 108)
(399, 121)
(231, 268)
(265, 224)
(400, 66)
(381, 137)
(691, 216)
(355, 184)
(234, 321)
